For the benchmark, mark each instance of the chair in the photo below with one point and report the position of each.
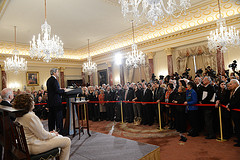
(20, 148)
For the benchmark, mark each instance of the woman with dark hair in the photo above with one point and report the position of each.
(182, 83)
(223, 95)
(192, 111)
(38, 139)
(170, 110)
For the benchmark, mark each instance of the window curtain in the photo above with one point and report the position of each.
(203, 58)
(137, 74)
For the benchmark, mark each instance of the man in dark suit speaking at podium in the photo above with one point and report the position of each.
(55, 116)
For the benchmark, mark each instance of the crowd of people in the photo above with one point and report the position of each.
(204, 89)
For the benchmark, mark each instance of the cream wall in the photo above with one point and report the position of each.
(230, 55)
(19, 81)
(116, 74)
(72, 74)
(160, 64)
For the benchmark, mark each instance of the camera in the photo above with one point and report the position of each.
(186, 73)
(199, 72)
(210, 72)
(233, 65)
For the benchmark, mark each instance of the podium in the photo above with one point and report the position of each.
(70, 97)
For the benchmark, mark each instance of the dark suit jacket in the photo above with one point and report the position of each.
(119, 95)
(235, 100)
(54, 94)
(130, 94)
(108, 96)
(210, 92)
(147, 97)
(6, 103)
(139, 95)
(159, 94)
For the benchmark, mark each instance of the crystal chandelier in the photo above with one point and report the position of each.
(15, 63)
(89, 67)
(223, 36)
(46, 47)
(154, 10)
(135, 58)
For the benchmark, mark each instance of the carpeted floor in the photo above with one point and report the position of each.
(196, 148)
(106, 147)
(101, 146)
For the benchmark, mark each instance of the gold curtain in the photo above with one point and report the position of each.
(137, 74)
(202, 55)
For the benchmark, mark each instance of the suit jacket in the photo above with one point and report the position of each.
(6, 103)
(119, 95)
(54, 94)
(139, 95)
(147, 97)
(159, 94)
(210, 92)
(108, 96)
(235, 100)
(199, 92)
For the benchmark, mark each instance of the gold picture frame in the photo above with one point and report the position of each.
(32, 78)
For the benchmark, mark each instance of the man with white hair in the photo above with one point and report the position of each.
(208, 111)
(55, 116)
(235, 104)
(7, 96)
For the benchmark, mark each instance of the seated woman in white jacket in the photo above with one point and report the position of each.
(38, 139)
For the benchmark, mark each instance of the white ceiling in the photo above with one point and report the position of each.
(74, 21)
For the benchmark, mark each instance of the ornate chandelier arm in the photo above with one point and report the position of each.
(171, 4)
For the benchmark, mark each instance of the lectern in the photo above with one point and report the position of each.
(70, 97)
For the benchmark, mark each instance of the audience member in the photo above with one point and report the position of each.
(38, 139)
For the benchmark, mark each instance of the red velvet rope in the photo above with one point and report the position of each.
(38, 104)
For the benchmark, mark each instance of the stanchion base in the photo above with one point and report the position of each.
(221, 140)
(160, 129)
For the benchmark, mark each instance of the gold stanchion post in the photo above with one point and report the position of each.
(121, 111)
(85, 115)
(220, 120)
(159, 116)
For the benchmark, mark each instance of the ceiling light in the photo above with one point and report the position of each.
(89, 67)
(135, 58)
(154, 10)
(223, 37)
(15, 63)
(46, 47)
